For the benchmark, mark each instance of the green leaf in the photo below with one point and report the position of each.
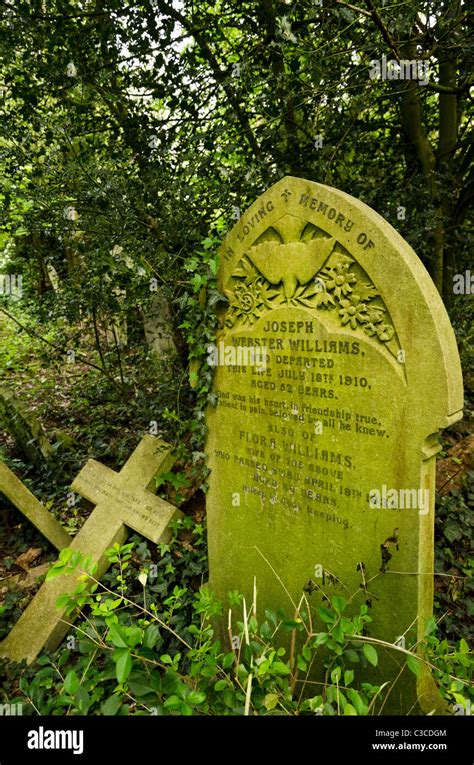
(123, 665)
(302, 664)
(71, 683)
(321, 638)
(173, 702)
(430, 625)
(357, 701)
(326, 615)
(349, 710)
(229, 698)
(111, 706)
(82, 700)
(370, 654)
(133, 635)
(139, 689)
(413, 665)
(228, 660)
(280, 669)
(338, 603)
(55, 570)
(169, 682)
(336, 675)
(63, 601)
(196, 697)
(117, 636)
(270, 701)
(306, 651)
(452, 530)
(348, 676)
(352, 655)
(150, 639)
(271, 616)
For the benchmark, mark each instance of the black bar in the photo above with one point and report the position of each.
(133, 739)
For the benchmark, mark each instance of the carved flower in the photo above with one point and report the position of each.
(353, 311)
(370, 329)
(247, 301)
(375, 326)
(340, 279)
(375, 314)
(385, 332)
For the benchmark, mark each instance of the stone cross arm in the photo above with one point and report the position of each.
(31, 508)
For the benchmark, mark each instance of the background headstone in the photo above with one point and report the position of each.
(24, 428)
(157, 325)
(361, 373)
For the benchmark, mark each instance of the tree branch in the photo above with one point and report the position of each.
(383, 29)
(433, 86)
(220, 75)
(354, 8)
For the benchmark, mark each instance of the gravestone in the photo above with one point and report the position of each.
(32, 509)
(25, 428)
(157, 325)
(123, 500)
(337, 368)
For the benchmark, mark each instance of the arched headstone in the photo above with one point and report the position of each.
(336, 369)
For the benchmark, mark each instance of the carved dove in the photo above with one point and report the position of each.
(293, 263)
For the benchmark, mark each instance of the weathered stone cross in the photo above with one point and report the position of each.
(123, 500)
(32, 509)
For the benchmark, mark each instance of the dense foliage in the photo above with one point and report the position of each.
(132, 136)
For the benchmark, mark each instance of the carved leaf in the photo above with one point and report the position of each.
(366, 291)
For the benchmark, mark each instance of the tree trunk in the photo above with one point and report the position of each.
(448, 134)
(425, 159)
